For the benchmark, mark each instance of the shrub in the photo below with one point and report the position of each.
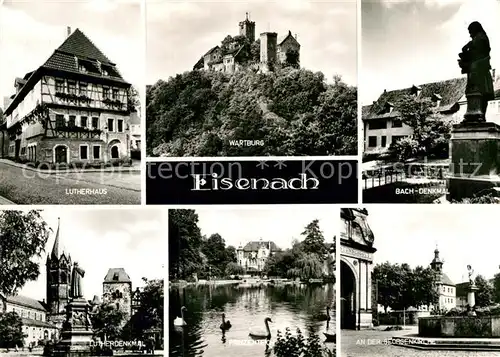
(288, 345)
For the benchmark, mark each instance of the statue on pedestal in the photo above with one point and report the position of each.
(76, 282)
(471, 274)
(474, 60)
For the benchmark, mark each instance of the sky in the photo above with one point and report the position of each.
(180, 32)
(30, 31)
(103, 238)
(464, 235)
(280, 224)
(408, 42)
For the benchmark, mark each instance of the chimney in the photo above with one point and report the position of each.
(295, 36)
(68, 31)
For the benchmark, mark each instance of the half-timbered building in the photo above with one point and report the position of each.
(73, 108)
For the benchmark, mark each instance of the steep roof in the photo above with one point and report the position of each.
(55, 248)
(210, 51)
(450, 91)
(445, 280)
(288, 35)
(117, 275)
(256, 244)
(26, 302)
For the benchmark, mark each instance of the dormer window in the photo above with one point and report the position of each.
(82, 68)
(415, 90)
(436, 98)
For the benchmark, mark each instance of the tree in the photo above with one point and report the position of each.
(314, 241)
(309, 266)
(150, 315)
(11, 330)
(214, 249)
(233, 268)
(429, 130)
(484, 294)
(496, 288)
(133, 104)
(185, 241)
(23, 236)
(292, 58)
(391, 282)
(107, 322)
(423, 287)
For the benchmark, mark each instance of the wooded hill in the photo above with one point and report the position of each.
(293, 111)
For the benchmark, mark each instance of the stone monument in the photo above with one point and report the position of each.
(471, 298)
(475, 143)
(76, 334)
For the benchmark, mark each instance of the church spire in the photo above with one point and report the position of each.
(55, 248)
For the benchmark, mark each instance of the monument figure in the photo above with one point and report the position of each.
(76, 281)
(471, 273)
(474, 60)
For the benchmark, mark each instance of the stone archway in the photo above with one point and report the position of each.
(61, 154)
(114, 149)
(348, 306)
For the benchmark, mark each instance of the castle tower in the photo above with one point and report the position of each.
(58, 278)
(247, 29)
(117, 290)
(268, 47)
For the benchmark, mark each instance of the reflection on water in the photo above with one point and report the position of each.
(293, 306)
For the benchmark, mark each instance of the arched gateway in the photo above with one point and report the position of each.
(356, 267)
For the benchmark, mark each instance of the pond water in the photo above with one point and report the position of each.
(292, 306)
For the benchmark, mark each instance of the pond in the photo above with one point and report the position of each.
(292, 306)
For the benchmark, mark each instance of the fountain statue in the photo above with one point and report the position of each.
(471, 299)
(76, 333)
(475, 143)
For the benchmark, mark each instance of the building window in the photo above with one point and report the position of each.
(377, 124)
(59, 121)
(397, 123)
(396, 138)
(110, 124)
(72, 121)
(59, 85)
(372, 141)
(120, 125)
(83, 88)
(71, 87)
(105, 92)
(84, 152)
(115, 93)
(384, 141)
(95, 122)
(83, 122)
(96, 151)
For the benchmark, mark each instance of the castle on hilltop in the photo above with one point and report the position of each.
(244, 50)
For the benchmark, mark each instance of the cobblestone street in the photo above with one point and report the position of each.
(365, 343)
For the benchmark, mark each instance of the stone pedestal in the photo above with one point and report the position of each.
(76, 334)
(471, 299)
(475, 160)
(474, 113)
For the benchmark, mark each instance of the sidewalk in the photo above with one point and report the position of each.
(133, 168)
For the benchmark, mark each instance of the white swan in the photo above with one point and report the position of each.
(179, 321)
(261, 334)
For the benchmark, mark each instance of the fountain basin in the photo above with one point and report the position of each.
(459, 326)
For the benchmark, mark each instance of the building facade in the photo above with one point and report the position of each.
(444, 285)
(381, 122)
(253, 256)
(356, 268)
(73, 108)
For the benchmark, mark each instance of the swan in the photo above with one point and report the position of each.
(324, 317)
(225, 325)
(330, 337)
(179, 321)
(262, 335)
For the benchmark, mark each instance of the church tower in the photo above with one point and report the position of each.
(58, 268)
(247, 29)
(117, 290)
(437, 263)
